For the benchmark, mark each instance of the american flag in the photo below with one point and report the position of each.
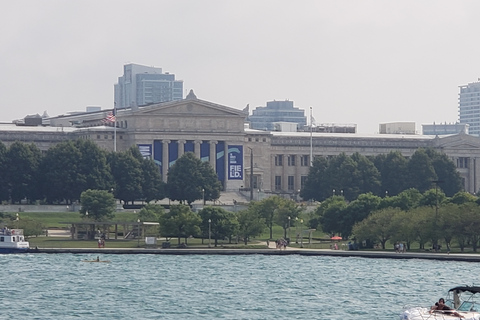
(110, 118)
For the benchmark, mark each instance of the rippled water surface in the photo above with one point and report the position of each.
(60, 286)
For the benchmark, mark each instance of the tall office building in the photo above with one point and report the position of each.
(142, 85)
(469, 106)
(263, 118)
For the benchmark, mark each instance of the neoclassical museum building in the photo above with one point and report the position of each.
(219, 134)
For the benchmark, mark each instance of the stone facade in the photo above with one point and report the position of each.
(217, 134)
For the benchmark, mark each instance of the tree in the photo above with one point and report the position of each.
(356, 211)
(223, 224)
(285, 213)
(377, 226)
(60, 175)
(152, 186)
(462, 197)
(93, 167)
(180, 221)
(266, 209)
(432, 198)
(446, 172)
(316, 187)
(22, 175)
(329, 214)
(190, 180)
(128, 176)
(4, 194)
(368, 177)
(251, 224)
(393, 170)
(405, 200)
(420, 171)
(99, 204)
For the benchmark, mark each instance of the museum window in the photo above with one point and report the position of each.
(278, 183)
(462, 162)
(291, 183)
(304, 161)
(291, 160)
(279, 160)
(98, 136)
(105, 137)
(264, 139)
(303, 180)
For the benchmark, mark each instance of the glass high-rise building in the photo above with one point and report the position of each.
(262, 118)
(469, 107)
(142, 85)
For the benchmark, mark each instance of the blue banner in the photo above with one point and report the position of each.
(235, 162)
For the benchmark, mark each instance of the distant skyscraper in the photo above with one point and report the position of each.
(276, 111)
(469, 106)
(142, 85)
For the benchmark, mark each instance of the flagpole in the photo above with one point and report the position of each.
(311, 138)
(115, 128)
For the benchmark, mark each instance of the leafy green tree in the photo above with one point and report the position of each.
(405, 200)
(343, 174)
(99, 204)
(446, 171)
(31, 227)
(424, 225)
(330, 213)
(152, 186)
(316, 186)
(356, 211)
(368, 177)
(285, 213)
(462, 197)
(403, 231)
(127, 173)
(421, 171)
(181, 222)
(59, 170)
(22, 175)
(210, 184)
(377, 226)
(223, 224)
(469, 226)
(4, 194)
(151, 212)
(251, 224)
(190, 180)
(393, 170)
(432, 198)
(266, 209)
(92, 168)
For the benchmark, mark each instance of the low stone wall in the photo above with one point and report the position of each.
(39, 208)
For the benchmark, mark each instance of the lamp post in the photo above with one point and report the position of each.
(138, 232)
(436, 211)
(88, 227)
(386, 193)
(16, 221)
(333, 192)
(288, 227)
(301, 233)
(209, 232)
(203, 196)
(296, 229)
(341, 192)
(251, 173)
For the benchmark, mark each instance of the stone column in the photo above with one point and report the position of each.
(197, 148)
(285, 173)
(181, 147)
(213, 154)
(298, 173)
(165, 159)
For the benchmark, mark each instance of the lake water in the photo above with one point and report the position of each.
(60, 286)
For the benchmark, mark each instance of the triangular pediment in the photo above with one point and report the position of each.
(189, 108)
(459, 141)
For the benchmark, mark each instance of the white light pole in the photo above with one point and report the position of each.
(203, 196)
(138, 231)
(288, 227)
(296, 229)
(301, 232)
(333, 192)
(209, 232)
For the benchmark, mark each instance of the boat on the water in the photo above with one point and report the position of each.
(13, 241)
(461, 300)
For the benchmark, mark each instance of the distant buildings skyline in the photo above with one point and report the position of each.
(469, 107)
(142, 85)
(263, 118)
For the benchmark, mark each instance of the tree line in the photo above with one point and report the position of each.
(63, 172)
(385, 174)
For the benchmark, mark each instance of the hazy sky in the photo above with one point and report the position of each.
(362, 62)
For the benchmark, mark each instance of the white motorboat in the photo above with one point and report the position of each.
(13, 241)
(460, 299)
